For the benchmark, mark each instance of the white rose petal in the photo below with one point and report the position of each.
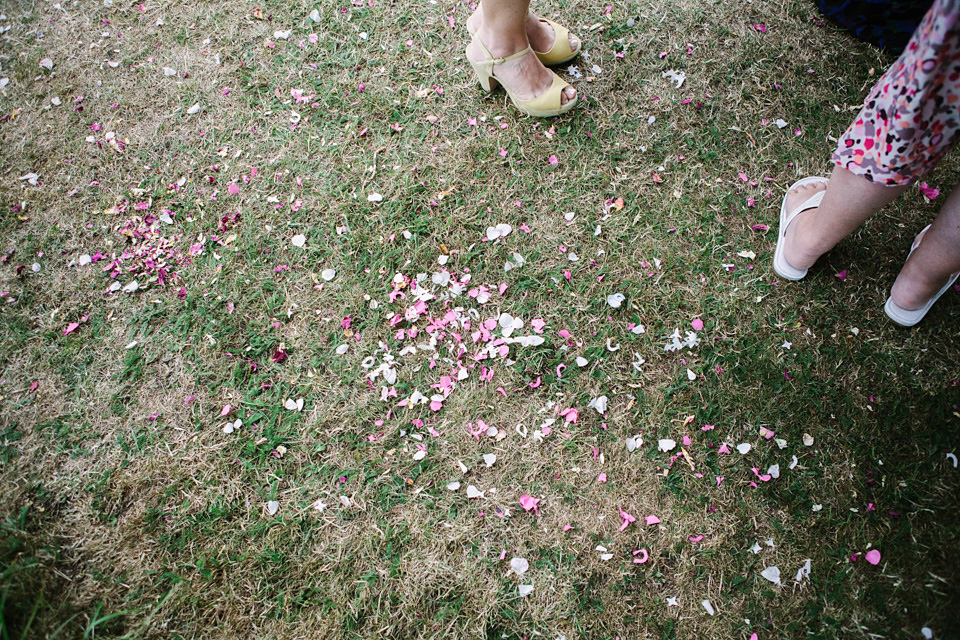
(666, 444)
(524, 590)
(615, 300)
(342, 349)
(46, 63)
(774, 471)
(808, 439)
(600, 404)
(804, 571)
(314, 16)
(374, 197)
(298, 240)
(473, 492)
(453, 486)
(709, 607)
(328, 274)
(771, 574)
(168, 71)
(419, 455)
(272, 507)
(194, 110)
(582, 362)
(744, 448)
(519, 566)
(489, 459)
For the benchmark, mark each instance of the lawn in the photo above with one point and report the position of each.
(305, 337)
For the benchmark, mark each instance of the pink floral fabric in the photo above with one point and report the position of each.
(911, 117)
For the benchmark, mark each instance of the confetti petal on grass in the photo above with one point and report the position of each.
(489, 459)
(952, 458)
(691, 375)
(529, 502)
(272, 507)
(342, 349)
(453, 486)
(873, 556)
(374, 197)
(709, 607)
(697, 324)
(519, 566)
(652, 520)
(804, 571)
(314, 16)
(771, 574)
(194, 110)
(808, 439)
(615, 300)
(524, 590)
(930, 192)
(744, 448)
(644, 556)
(328, 274)
(599, 403)
(298, 240)
(626, 520)
(666, 444)
(473, 492)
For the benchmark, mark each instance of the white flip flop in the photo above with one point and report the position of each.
(780, 265)
(908, 317)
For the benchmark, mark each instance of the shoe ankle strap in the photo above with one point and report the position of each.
(495, 60)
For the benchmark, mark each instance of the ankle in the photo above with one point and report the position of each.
(501, 43)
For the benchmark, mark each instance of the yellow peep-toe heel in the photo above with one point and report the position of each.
(546, 105)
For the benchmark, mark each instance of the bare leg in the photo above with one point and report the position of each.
(503, 33)
(849, 201)
(539, 34)
(934, 261)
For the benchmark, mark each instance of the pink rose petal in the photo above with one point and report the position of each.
(529, 502)
(873, 556)
(651, 520)
(697, 324)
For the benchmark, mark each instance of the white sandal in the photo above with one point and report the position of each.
(910, 317)
(780, 265)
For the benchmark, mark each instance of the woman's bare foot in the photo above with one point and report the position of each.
(913, 288)
(526, 76)
(540, 34)
(800, 247)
